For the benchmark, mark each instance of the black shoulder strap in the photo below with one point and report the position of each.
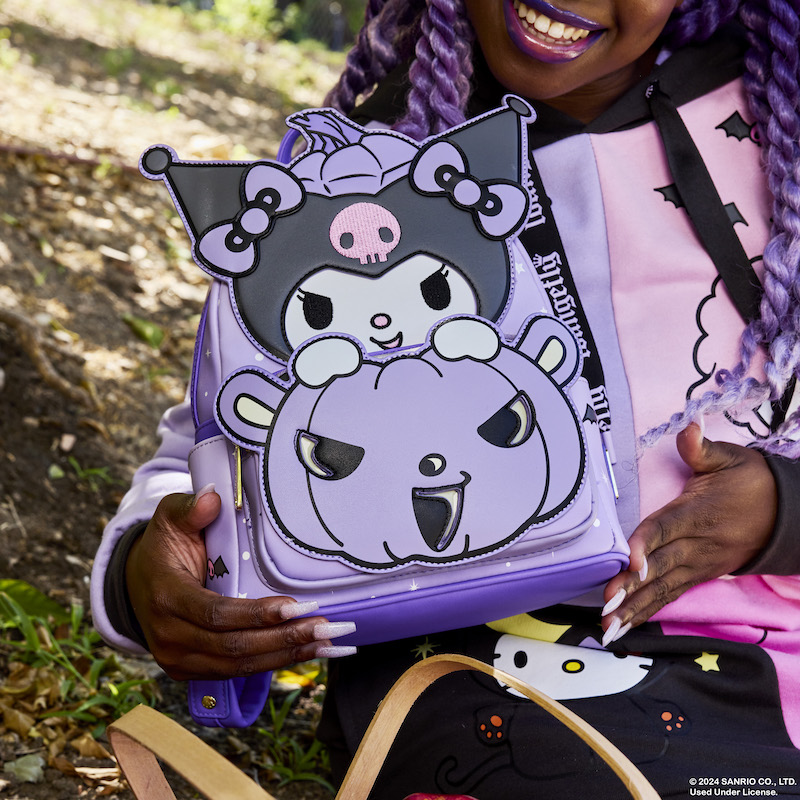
(711, 221)
(704, 207)
(543, 242)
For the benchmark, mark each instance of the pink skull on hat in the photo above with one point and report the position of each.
(365, 231)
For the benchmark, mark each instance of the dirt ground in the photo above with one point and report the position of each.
(90, 250)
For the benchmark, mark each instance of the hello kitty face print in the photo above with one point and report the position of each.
(366, 233)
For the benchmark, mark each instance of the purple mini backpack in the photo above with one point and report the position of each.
(391, 414)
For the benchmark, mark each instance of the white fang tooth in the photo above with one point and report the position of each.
(556, 30)
(542, 23)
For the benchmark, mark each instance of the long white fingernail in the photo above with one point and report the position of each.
(643, 572)
(614, 603)
(332, 630)
(293, 610)
(331, 651)
(612, 631)
(622, 631)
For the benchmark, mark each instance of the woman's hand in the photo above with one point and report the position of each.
(723, 518)
(193, 632)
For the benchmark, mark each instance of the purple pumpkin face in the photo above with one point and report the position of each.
(441, 456)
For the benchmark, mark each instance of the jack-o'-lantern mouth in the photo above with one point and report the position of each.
(438, 512)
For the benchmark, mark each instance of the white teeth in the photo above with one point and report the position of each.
(549, 30)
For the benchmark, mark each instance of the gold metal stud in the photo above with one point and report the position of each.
(209, 701)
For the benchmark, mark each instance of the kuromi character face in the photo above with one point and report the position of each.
(440, 456)
(352, 236)
(395, 309)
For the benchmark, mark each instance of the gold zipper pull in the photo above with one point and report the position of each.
(237, 487)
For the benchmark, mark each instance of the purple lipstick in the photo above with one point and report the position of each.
(547, 33)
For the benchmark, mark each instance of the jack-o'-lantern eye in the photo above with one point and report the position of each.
(327, 458)
(512, 425)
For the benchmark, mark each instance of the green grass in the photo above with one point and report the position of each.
(287, 758)
(63, 678)
(93, 477)
(86, 682)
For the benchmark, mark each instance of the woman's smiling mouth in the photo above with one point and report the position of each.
(547, 33)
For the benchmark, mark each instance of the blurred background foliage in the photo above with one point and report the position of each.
(330, 22)
(99, 306)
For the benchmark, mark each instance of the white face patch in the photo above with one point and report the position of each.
(394, 310)
(565, 672)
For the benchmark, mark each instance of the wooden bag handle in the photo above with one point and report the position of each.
(395, 706)
(143, 733)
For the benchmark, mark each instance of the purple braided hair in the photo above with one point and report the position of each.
(772, 83)
(697, 20)
(440, 37)
(382, 43)
(440, 74)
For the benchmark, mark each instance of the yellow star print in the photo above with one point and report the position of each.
(708, 662)
(424, 649)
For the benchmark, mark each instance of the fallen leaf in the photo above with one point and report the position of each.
(32, 601)
(17, 721)
(90, 747)
(145, 329)
(28, 769)
(300, 676)
(113, 787)
(56, 747)
(21, 680)
(63, 765)
(55, 473)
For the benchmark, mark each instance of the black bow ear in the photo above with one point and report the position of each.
(495, 143)
(204, 192)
